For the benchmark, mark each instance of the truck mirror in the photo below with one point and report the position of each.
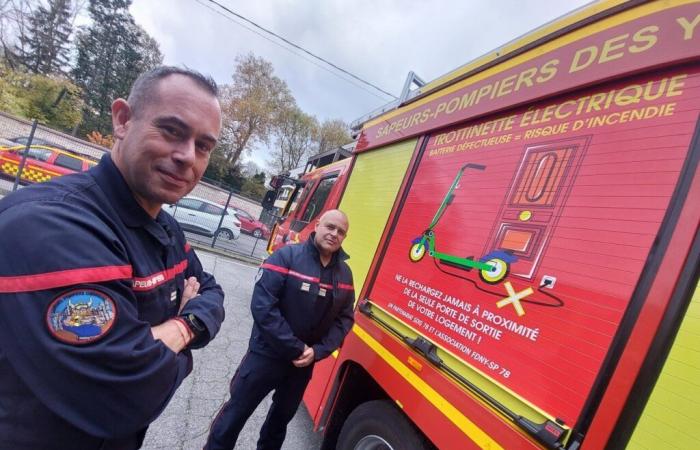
(277, 181)
(269, 199)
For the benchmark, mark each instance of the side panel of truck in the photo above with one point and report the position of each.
(368, 196)
(580, 207)
(593, 241)
(671, 416)
(526, 276)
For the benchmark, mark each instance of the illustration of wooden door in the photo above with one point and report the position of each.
(533, 205)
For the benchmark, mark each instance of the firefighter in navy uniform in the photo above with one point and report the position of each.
(302, 309)
(101, 298)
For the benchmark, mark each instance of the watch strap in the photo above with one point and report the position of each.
(195, 325)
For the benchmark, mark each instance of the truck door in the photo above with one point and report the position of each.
(302, 224)
(532, 207)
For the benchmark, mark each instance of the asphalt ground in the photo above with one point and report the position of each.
(5, 186)
(184, 424)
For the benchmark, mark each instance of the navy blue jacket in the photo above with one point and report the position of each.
(84, 274)
(286, 297)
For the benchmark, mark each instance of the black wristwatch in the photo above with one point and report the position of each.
(195, 325)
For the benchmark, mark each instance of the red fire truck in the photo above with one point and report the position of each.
(300, 201)
(524, 237)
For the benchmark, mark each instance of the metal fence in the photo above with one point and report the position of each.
(15, 131)
(231, 224)
(213, 215)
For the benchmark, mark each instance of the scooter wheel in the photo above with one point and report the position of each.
(417, 252)
(498, 273)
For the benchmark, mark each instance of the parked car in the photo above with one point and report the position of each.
(250, 224)
(201, 216)
(43, 163)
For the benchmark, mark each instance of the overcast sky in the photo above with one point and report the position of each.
(377, 40)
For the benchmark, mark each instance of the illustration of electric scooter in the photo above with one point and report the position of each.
(492, 267)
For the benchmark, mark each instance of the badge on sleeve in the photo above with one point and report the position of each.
(81, 316)
(259, 275)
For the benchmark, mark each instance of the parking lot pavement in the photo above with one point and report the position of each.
(184, 424)
(5, 186)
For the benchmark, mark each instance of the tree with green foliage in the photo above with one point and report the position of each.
(14, 19)
(332, 134)
(220, 171)
(250, 106)
(294, 134)
(9, 101)
(52, 100)
(254, 187)
(44, 47)
(149, 49)
(112, 52)
(247, 179)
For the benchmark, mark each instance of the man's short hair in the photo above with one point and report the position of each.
(143, 89)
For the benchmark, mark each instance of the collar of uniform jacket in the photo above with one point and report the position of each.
(340, 255)
(123, 201)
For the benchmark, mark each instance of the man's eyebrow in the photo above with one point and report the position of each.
(173, 120)
(330, 225)
(209, 138)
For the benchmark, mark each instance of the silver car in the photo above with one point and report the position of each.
(201, 216)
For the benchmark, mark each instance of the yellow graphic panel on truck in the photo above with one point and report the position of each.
(368, 199)
(671, 417)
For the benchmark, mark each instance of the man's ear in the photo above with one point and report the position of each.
(121, 116)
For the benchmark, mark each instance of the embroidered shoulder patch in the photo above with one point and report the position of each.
(258, 275)
(81, 316)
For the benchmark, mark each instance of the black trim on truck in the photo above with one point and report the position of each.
(671, 322)
(550, 434)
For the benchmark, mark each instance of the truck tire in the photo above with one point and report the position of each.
(378, 425)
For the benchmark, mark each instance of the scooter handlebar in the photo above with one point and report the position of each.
(473, 166)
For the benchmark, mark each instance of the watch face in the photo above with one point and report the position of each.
(195, 323)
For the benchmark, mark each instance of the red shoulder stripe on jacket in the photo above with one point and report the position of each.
(153, 281)
(293, 273)
(62, 278)
(301, 276)
(272, 267)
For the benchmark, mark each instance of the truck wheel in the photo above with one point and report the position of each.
(498, 273)
(378, 425)
(417, 252)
